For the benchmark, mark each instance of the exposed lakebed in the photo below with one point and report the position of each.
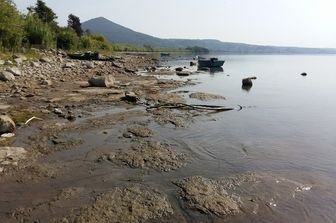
(123, 163)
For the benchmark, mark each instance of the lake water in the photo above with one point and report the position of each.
(287, 126)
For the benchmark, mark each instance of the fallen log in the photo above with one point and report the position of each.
(191, 107)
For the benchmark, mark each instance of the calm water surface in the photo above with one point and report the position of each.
(287, 126)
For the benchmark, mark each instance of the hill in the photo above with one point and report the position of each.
(116, 33)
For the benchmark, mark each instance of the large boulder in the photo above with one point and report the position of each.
(7, 125)
(247, 82)
(14, 70)
(102, 81)
(6, 76)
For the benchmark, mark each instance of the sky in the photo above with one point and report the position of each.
(303, 23)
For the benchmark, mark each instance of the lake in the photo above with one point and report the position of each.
(286, 127)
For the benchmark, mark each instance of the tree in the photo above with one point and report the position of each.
(44, 13)
(11, 31)
(38, 32)
(67, 39)
(75, 24)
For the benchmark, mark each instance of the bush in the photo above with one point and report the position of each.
(38, 32)
(11, 32)
(67, 39)
(94, 43)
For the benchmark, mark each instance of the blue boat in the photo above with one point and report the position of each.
(211, 62)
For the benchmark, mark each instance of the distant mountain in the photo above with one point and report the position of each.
(116, 33)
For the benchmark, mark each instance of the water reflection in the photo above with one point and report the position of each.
(216, 70)
(247, 88)
(212, 70)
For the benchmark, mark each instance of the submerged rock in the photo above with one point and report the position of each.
(205, 96)
(102, 81)
(126, 204)
(207, 196)
(7, 125)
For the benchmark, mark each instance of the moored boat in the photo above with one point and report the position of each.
(212, 62)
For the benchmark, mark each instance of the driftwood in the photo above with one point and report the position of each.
(191, 107)
(32, 118)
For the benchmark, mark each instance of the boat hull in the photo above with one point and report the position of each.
(209, 63)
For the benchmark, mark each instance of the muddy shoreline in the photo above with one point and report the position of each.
(99, 154)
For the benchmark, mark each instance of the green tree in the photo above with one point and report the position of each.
(67, 39)
(75, 24)
(11, 32)
(38, 32)
(44, 13)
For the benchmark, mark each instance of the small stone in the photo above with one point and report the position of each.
(35, 64)
(46, 82)
(304, 74)
(6, 76)
(131, 97)
(68, 65)
(20, 56)
(8, 135)
(45, 60)
(58, 111)
(2, 62)
(89, 65)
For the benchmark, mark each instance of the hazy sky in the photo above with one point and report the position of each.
(310, 23)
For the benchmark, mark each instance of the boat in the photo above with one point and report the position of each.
(165, 54)
(84, 56)
(211, 62)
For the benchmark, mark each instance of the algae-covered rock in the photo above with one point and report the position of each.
(205, 96)
(150, 154)
(125, 204)
(207, 196)
(141, 131)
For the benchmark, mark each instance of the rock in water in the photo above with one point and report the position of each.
(14, 70)
(102, 81)
(183, 73)
(247, 82)
(6, 76)
(7, 125)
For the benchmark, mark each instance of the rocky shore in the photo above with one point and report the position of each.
(81, 142)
